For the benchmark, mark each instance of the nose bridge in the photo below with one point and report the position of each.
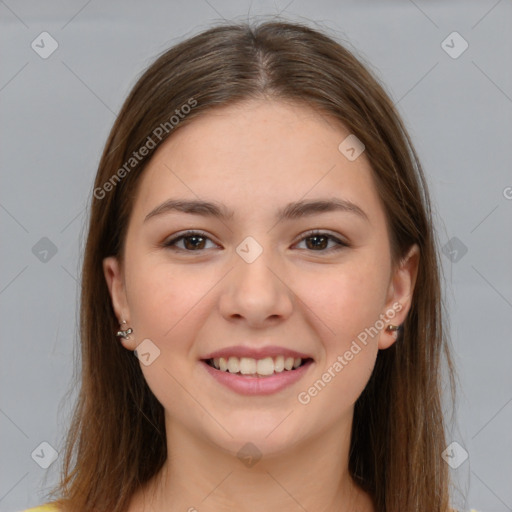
(254, 266)
(256, 289)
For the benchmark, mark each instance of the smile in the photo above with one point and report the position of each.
(248, 376)
(256, 367)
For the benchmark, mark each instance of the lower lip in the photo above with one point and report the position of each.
(258, 385)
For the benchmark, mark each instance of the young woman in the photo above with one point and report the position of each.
(261, 318)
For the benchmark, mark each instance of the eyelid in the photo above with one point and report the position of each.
(340, 241)
(322, 232)
(169, 242)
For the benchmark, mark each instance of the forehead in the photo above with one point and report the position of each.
(263, 153)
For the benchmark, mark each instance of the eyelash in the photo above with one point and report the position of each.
(170, 244)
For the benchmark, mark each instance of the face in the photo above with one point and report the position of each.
(262, 278)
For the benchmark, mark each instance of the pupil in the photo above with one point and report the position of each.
(317, 244)
(193, 245)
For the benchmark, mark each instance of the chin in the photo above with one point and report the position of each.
(271, 436)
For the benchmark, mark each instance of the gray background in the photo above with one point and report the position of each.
(55, 116)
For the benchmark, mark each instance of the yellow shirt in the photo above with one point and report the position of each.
(43, 508)
(52, 508)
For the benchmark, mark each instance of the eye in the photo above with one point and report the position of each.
(319, 241)
(193, 241)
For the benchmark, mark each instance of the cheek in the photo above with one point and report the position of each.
(346, 306)
(345, 300)
(168, 307)
(335, 390)
(161, 297)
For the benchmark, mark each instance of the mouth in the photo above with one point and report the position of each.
(257, 368)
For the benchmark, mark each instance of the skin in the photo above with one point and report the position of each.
(255, 158)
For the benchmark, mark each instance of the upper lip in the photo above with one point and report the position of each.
(256, 353)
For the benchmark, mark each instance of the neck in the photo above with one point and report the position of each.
(199, 476)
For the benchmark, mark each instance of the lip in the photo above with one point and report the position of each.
(256, 353)
(245, 385)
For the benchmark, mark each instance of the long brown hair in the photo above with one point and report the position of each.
(116, 441)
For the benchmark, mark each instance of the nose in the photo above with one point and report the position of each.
(257, 293)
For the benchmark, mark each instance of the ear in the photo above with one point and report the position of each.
(400, 292)
(114, 275)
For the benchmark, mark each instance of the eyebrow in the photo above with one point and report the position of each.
(291, 211)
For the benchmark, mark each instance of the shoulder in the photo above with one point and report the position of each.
(48, 507)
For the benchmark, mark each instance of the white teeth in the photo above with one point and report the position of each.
(250, 366)
(265, 366)
(279, 364)
(233, 365)
(247, 366)
(288, 363)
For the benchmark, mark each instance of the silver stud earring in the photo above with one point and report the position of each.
(393, 330)
(124, 333)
